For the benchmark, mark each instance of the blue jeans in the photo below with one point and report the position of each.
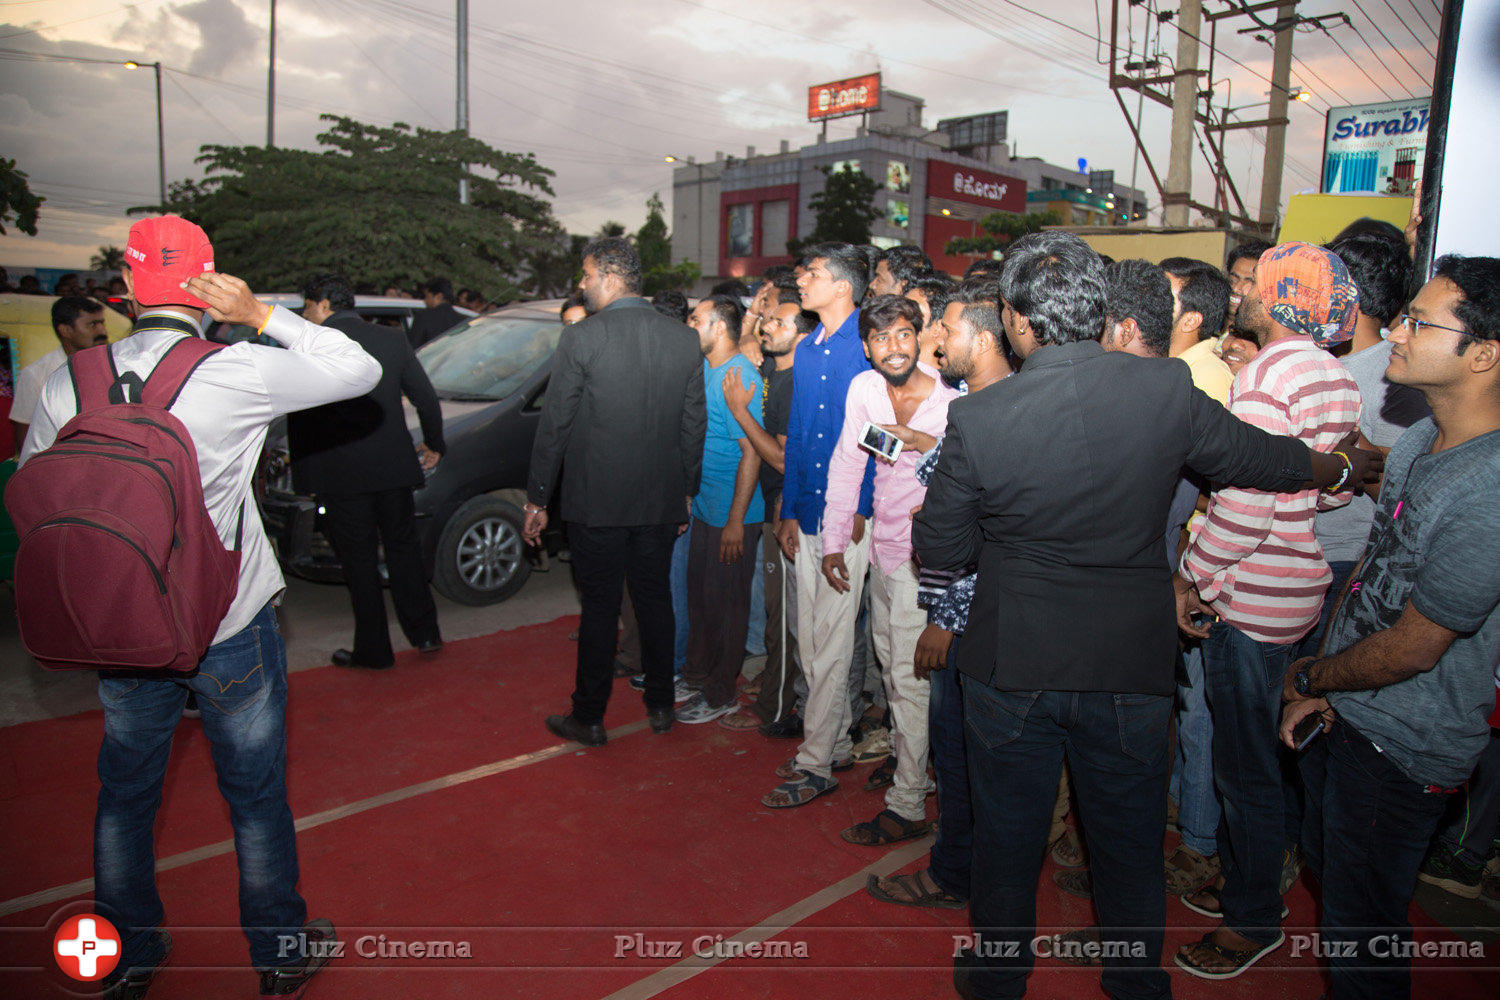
(1192, 786)
(241, 689)
(1116, 748)
(951, 854)
(680, 599)
(1244, 681)
(1308, 646)
(1368, 827)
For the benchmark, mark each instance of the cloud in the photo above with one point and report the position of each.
(225, 32)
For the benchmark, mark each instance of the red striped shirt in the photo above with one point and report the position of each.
(1255, 557)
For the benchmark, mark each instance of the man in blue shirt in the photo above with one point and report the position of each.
(834, 278)
(721, 567)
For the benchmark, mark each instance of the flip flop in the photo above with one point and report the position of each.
(1240, 958)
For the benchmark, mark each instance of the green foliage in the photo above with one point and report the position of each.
(611, 228)
(1000, 228)
(842, 211)
(654, 244)
(109, 258)
(377, 204)
(18, 206)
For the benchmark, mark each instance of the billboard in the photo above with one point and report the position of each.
(977, 187)
(843, 97)
(1376, 148)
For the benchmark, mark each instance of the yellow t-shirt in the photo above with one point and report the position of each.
(1210, 373)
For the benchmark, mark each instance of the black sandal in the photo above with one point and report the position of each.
(916, 894)
(874, 833)
(883, 776)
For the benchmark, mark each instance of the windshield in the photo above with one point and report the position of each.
(489, 357)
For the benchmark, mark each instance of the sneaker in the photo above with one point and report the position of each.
(133, 983)
(1187, 871)
(1490, 891)
(1448, 872)
(289, 982)
(1291, 868)
(696, 710)
(685, 691)
(876, 745)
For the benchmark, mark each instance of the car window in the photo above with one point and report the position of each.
(489, 357)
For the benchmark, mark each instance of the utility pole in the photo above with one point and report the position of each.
(463, 91)
(1281, 75)
(271, 85)
(1179, 186)
(161, 140)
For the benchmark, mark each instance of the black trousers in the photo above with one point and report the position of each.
(603, 559)
(718, 612)
(356, 525)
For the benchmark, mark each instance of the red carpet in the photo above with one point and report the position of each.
(539, 870)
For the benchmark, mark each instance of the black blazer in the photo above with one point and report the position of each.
(428, 323)
(624, 419)
(362, 445)
(1057, 481)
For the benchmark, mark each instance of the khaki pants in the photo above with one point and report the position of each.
(825, 637)
(896, 623)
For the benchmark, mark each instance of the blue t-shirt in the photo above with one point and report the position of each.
(721, 445)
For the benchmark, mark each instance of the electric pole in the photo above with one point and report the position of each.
(271, 85)
(1281, 76)
(1179, 184)
(463, 91)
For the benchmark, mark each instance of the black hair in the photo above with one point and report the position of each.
(439, 286)
(1249, 248)
(871, 254)
(845, 262)
(786, 295)
(1057, 283)
(333, 287)
(1138, 290)
(883, 311)
(1204, 291)
(366, 288)
(731, 286)
(27, 284)
(615, 255)
(729, 309)
(468, 294)
(671, 303)
(1106, 260)
(1371, 227)
(1381, 268)
(980, 298)
(1478, 281)
(982, 266)
(906, 264)
(66, 310)
(937, 286)
(782, 276)
(805, 320)
(573, 301)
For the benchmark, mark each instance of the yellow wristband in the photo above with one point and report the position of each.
(265, 322)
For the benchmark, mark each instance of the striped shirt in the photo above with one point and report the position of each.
(1256, 559)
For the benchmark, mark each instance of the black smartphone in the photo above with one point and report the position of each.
(1307, 730)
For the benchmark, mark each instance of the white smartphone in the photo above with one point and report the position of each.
(879, 442)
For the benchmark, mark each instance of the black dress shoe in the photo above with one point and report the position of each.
(430, 646)
(661, 722)
(789, 728)
(570, 728)
(344, 658)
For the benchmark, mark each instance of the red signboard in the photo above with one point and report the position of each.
(843, 97)
(977, 187)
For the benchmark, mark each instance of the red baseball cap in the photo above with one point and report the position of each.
(162, 253)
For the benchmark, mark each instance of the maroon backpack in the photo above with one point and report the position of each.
(119, 566)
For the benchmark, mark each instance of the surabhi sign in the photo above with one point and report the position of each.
(843, 97)
(977, 187)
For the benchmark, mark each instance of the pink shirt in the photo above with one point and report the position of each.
(897, 490)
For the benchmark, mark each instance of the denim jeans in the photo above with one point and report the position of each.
(1116, 748)
(1368, 828)
(680, 599)
(951, 854)
(1308, 645)
(241, 689)
(1244, 681)
(1192, 786)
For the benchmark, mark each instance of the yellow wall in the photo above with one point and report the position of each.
(1127, 244)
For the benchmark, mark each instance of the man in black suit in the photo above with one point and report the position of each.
(357, 458)
(625, 408)
(1057, 482)
(440, 316)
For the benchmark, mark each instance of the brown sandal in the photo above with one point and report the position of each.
(911, 892)
(886, 828)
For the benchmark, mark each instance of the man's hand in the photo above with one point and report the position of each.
(536, 523)
(917, 441)
(685, 525)
(736, 394)
(1366, 467)
(836, 572)
(1296, 711)
(914, 512)
(932, 651)
(859, 529)
(1189, 604)
(1414, 219)
(427, 457)
(786, 537)
(1288, 685)
(732, 543)
(229, 299)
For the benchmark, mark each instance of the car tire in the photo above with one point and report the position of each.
(481, 558)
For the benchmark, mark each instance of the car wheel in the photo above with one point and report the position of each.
(480, 556)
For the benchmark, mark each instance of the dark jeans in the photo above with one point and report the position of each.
(241, 689)
(1244, 680)
(1368, 827)
(778, 685)
(603, 558)
(356, 525)
(1294, 794)
(950, 859)
(1116, 748)
(1472, 820)
(719, 610)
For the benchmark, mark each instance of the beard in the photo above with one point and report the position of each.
(898, 379)
(774, 352)
(958, 367)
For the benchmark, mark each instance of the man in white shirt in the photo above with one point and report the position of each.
(78, 323)
(226, 406)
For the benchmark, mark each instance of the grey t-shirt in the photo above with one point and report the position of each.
(1435, 544)
(1387, 410)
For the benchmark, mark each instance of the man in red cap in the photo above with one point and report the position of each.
(226, 405)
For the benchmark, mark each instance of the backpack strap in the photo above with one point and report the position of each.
(174, 369)
(92, 372)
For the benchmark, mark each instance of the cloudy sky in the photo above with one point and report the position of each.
(602, 90)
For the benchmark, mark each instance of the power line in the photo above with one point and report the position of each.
(1376, 57)
(79, 20)
(1413, 34)
(1322, 82)
(1360, 7)
(1356, 63)
(349, 37)
(190, 96)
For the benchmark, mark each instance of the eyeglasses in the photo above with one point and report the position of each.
(1414, 326)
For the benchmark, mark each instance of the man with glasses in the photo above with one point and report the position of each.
(1406, 680)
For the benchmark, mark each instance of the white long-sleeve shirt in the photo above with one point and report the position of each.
(227, 406)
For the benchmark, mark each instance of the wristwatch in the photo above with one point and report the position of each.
(532, 508)
(1302, 683)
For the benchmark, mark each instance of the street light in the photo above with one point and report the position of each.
(161, 141)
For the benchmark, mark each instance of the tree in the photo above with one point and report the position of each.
(611, 229)
(842, 211)
(654, 245)
(108, 258)
(377, 204)
(1001, 228)
(18, 206)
